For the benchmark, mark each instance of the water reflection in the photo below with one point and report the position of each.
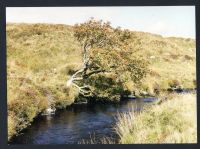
(76, 123)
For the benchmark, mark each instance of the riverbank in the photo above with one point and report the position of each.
(36, 83)
(42, 57)
(170, 121)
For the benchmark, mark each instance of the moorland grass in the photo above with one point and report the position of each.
(172, 121)
(41, 57)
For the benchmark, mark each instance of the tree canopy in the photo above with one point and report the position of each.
(107, 53)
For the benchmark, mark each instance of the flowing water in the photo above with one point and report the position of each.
(77, 122)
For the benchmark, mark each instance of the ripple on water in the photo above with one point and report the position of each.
(76, 123)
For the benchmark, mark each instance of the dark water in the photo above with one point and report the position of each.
(75, 123)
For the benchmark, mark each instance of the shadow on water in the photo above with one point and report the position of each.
(75, 123)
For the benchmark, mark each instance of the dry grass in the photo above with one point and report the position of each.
(173, 121)
(41, 57)
(94, 140)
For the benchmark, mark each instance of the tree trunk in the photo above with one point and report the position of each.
(79, 75)
(84, 73)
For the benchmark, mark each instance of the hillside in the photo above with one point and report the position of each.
(41, 57)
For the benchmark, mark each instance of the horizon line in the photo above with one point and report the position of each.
(163, 36)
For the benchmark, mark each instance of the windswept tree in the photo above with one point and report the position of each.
(106, 51)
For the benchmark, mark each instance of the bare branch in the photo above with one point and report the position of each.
(82, 89)
(93, 72)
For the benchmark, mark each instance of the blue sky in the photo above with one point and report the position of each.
(164, 20)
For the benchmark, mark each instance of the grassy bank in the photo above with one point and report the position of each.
(172, 121)
(41, 57)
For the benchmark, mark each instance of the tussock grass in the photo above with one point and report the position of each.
(41, 57)
(173, 121)
(94, 140)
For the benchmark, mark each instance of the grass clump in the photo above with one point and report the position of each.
(94, 140)
(41, 57)
(173, 121)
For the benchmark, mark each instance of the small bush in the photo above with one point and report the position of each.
(174, 83)
(174, 56)
(64, 96)
(156, 88)
(187, 57)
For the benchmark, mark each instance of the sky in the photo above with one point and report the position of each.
(167, 21)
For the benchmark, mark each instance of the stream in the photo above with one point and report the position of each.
(77, 122)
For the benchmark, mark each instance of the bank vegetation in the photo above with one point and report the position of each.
(42, 57)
